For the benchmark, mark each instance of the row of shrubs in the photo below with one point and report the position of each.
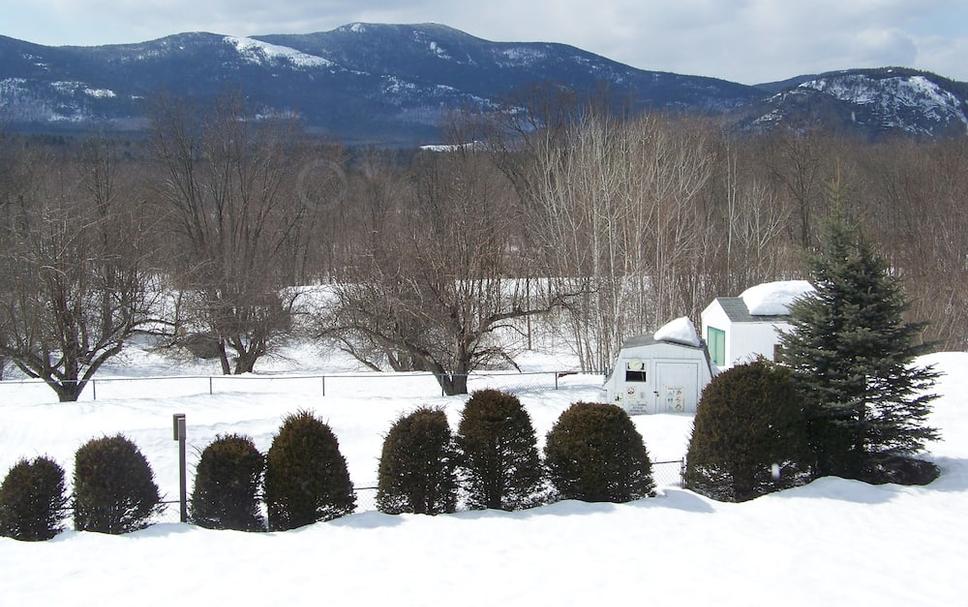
(114, 492)
(592, 453)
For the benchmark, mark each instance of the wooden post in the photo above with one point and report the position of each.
(179, 432)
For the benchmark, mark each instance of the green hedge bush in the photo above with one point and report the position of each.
(306, 479)
(418, 464)
(500, 465)
(595, 454)
(227, 482)
(32, 500)
(114, 487)
(749, 436)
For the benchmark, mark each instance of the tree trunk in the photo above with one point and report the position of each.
(67, 392)
(245, 362)
(452, 383)
(223, 357)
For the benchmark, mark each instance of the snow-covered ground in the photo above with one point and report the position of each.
(833, 542)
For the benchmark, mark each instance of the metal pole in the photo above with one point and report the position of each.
(209, 385)
(178, 423)
(323, 378)
(94, 388)
(556, 380)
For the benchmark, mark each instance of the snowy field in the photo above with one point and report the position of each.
(833, 542)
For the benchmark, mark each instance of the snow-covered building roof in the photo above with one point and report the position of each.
(774, 298)
(767, 302)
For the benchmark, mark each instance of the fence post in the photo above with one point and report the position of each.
(323, 378)
(556, 380)
(178, 427)
(94, 389)
(210, 385)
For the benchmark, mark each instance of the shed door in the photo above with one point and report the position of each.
(677, 386)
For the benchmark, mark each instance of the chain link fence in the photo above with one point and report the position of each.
(337, 384)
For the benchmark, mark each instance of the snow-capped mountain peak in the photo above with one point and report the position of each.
(264, 53)
(868, 101)
(895, 99)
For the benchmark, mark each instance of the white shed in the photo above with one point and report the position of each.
(738, 329)
(660, 373)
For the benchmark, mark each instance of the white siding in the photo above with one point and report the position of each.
(744, 340)
(754, 338)
(675, 362)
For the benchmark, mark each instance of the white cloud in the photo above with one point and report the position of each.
(744, 40)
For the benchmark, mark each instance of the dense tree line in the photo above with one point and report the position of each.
(601, 225)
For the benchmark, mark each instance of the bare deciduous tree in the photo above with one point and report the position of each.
(75, 286)
(235, 226)
(439, 277)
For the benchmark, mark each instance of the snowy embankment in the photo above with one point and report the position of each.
(833, 542)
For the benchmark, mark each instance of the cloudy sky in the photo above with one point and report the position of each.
(744, 40)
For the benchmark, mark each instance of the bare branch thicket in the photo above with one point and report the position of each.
(743, 229)
(913, 201)
(237, 228)
(615, 213)
(75, 284)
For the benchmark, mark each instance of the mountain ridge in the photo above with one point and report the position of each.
(395, 83)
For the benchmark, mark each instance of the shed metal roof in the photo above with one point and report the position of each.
(647, 340)
(736, 310)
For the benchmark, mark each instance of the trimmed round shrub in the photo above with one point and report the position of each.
(114, 487)
(32, 500)
(227, 482)
(595, 454)
(306, 480)
(501, 468)
(418, 465)
(749, 436)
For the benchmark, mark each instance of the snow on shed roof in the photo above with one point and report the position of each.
(774, 298)
(679, 331)
(767, 302)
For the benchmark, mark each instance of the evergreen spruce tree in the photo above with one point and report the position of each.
(852, 350)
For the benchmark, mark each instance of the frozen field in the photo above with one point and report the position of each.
(833, 542)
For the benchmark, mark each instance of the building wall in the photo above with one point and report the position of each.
(752, 339)
(643, 399)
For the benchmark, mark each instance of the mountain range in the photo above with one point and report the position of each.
(394, 84)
